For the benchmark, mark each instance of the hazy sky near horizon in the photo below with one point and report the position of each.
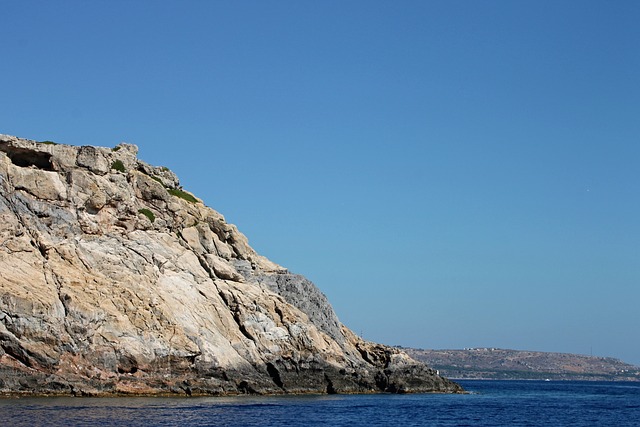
(449, 173)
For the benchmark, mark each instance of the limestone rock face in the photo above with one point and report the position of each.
(114, 280)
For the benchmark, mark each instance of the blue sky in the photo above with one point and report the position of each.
(450, 173)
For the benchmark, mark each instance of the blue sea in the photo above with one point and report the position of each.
(489, 403)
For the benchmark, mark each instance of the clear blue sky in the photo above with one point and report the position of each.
(450, 173)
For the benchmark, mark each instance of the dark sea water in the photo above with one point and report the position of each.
(490, 403)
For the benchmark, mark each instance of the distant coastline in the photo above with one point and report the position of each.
(504, 364)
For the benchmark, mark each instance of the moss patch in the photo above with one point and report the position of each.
(155, 178)
(118, 165)
(183, 195)
(146, 212)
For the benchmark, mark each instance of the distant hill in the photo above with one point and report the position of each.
(495, 363)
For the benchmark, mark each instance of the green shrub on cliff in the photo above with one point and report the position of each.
(146, 212)
(183, 195)
(155, 178)
(118, 165)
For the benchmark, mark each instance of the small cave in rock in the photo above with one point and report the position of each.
(246, 388)
(26, 158)
(275, 375)
(382, 381)
(330, 387)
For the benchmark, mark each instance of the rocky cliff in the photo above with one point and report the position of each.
(114, 280)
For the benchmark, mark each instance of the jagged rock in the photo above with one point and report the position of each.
(112, 282)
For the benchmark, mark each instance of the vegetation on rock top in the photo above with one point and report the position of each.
(118, 165)
(146, 212)
(182, 194)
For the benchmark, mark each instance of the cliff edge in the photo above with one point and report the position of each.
(114, 280)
